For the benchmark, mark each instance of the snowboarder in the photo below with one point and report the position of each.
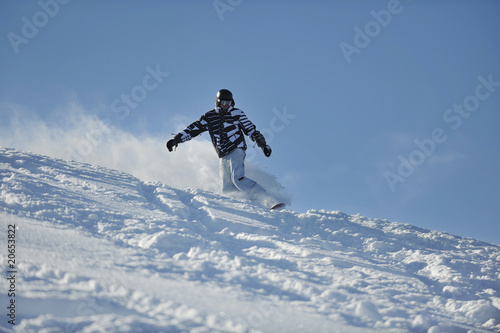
(226, 125)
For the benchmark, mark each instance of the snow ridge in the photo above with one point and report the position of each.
(100, 250)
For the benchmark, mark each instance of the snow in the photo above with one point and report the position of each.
(98, 250)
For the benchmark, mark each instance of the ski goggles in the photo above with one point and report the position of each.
(225, 102)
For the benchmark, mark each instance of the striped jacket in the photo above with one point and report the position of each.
(226, 129)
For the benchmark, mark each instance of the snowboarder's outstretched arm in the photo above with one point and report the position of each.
(257, 137)
(187, 134)
(173, 143)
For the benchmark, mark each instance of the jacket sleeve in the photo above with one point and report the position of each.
(194, 129)
(252, 132)
(247, 126)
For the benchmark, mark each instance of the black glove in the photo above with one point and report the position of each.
(267, 151)
(172, 143)
(261, 142)
(259, 139)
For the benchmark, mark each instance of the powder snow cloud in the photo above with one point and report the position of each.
(74, 133)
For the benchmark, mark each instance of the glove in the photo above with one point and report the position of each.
(267, 151)
(261, 142)
(259, 139)
(172, 143)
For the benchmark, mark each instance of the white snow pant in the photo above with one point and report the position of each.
(232, 174)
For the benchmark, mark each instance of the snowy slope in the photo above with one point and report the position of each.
(98, 250)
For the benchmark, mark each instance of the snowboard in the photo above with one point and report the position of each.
(278, 206)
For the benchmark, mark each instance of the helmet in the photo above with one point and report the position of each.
(224, 95)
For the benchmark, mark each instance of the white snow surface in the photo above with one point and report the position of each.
(98, 250)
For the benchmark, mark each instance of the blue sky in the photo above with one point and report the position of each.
(342, 89)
